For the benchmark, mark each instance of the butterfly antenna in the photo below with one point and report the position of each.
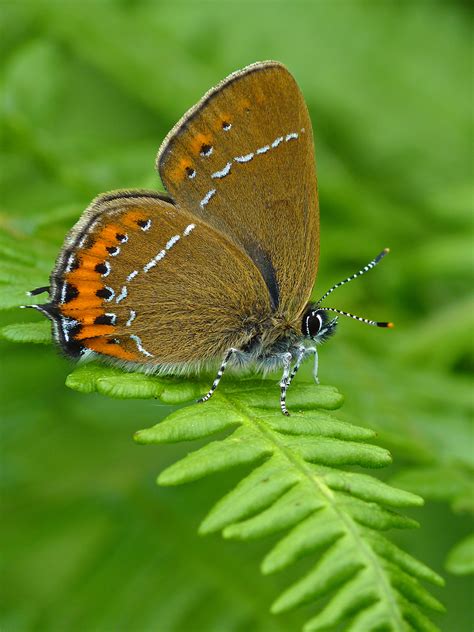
(374, 323)
(365, 269)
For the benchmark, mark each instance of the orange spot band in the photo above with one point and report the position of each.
(94, 331)
(102, 345)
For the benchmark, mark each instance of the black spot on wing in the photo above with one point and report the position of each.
(101, 268)
(104, 319)
(72, 348)
(105, 292)
(70, 293)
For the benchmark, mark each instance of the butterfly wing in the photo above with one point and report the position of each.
(140, 280)
(243, 160)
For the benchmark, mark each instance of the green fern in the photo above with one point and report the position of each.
(297, 486)
(452, 484)
(419, 403)
(39, 333)
(460, 560)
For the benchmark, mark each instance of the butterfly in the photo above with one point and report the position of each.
(219, 269)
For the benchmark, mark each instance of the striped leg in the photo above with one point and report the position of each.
(303, 352)
(288, 377)
(219, 375)
(286, 357)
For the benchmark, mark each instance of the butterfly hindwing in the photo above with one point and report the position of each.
(140, 280)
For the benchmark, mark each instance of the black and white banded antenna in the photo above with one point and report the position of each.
(365, 269)
(367, 321)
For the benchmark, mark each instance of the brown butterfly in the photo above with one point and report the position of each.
(219, 269)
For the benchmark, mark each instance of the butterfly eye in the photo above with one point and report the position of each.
(312, 324)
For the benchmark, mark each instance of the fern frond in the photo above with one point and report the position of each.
(298, 486)
(24, 264)
(452, 483)
(39, 333)
(460, 560)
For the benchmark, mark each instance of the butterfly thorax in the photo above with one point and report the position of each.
(266, 342)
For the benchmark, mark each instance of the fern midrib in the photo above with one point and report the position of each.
(300, 464)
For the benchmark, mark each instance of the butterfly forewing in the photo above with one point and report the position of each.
(146, 282)
(243, 160)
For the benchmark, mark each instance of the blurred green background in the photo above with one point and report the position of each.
(88, 92)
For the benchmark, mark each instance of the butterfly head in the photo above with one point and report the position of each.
(317, 323)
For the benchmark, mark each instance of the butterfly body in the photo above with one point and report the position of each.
(220, 268)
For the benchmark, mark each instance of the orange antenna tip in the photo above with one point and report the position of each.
(390, 325)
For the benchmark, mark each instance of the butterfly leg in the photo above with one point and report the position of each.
(284, 382)
(219, 375)
(303, 352)
(315, 365)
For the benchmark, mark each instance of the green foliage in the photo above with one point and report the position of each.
(88, 92)
(298, 487)
(461, 558)
(452, 485)
(27, 332)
